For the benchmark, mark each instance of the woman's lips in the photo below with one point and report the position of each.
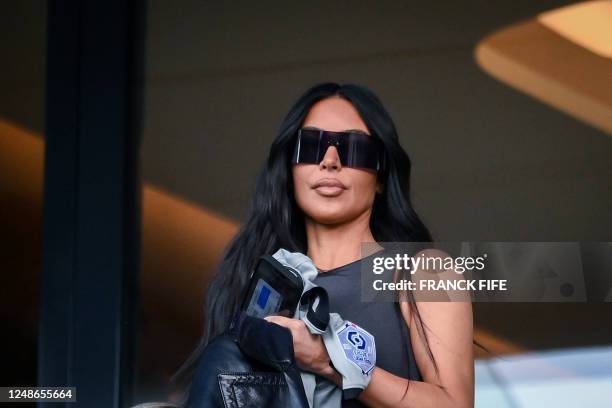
(329, 187)
(329, 191)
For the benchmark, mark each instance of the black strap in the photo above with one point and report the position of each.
(320, 317)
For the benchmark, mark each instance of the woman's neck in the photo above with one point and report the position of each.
(331, 246)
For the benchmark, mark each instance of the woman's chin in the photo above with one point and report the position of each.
(330, 218)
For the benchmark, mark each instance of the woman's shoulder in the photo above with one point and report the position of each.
(436, 289)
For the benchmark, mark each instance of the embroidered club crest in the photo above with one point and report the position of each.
(358, 346)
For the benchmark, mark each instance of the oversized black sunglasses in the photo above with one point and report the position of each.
(355, 149)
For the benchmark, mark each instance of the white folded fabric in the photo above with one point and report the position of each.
(351, 348)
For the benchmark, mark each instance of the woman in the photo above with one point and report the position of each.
(326, 210)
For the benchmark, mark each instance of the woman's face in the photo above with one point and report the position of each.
(332, 204)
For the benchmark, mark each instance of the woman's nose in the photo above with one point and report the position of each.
(331, 159)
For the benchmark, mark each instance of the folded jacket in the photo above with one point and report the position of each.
(250, 365)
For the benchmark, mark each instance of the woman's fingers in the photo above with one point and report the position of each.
(310, 353)
(291, 324)
(281, 321)
(296, 327)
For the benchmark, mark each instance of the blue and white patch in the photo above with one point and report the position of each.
(358, 345)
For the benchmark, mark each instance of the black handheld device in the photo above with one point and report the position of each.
(273, 289)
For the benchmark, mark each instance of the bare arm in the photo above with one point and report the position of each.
(449, 329)
(450, 339)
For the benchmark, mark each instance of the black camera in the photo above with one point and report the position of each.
(274, 289)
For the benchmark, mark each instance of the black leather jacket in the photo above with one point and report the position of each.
(250, 365)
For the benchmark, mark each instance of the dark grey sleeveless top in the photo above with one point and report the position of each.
(383, 320)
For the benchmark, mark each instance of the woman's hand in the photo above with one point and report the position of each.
(309, 351)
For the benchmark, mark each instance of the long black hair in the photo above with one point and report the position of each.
(274, 219)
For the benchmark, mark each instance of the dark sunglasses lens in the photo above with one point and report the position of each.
(361, 151)
(307, 147)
